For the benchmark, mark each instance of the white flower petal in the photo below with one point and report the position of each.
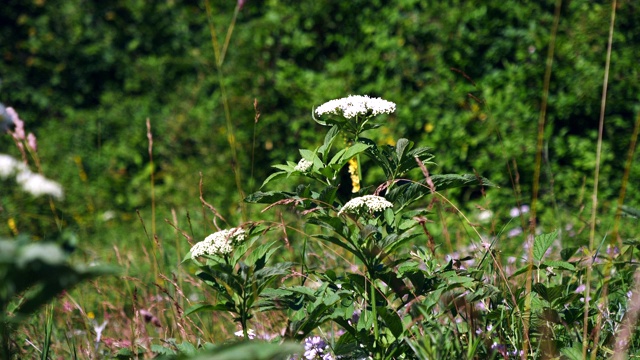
(356, 105)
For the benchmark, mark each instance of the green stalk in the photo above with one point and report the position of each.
(220, 55)
(594, 208)
(536, 175)
(47, 332)
(374, 314)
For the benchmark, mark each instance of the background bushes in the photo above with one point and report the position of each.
(467, 79)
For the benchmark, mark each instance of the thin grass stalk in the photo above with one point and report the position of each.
(153, 192)
(253, 144)
(152, 245)
(47, 332)
(231, 139)
(536, 175)
(596, 176)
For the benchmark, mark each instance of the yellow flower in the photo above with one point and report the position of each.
(353, 171)
(12, 226)
(428, 127)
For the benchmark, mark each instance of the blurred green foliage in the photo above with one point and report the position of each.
(467, 78)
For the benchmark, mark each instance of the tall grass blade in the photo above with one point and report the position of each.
(596, 177)
(536, 175)
(48, 329)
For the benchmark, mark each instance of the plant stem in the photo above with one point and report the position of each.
(374, 315)
(536, 176)
(231, 139)
(594, 208)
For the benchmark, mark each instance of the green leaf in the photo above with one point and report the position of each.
(250, 350)
(392, 320)
(523, 270)
(354, 150)
(573, 353)
(269, 197)
(274, 176)
(630, 211)
(161, 350)
(407, 193)
(208, 307)
(329, 139)
(567, 253)
(541, 244)
(186, 348)
(549, 294)
(558, 265)
(401, 146)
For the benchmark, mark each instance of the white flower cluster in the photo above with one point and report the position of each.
(355, 105)
(218, 243)
(303, 165)
(372, 202)
(33, 183)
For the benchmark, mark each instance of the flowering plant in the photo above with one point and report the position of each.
(236, 271)
(374, 227)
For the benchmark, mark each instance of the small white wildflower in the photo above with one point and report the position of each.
(38, 185)
(251, 334)
(303, 165)
(373, 203)
(33, 183)
(485, 215)
(517, 211)
(99, 329)
(218, 243)
(8, 165)
(356, 105)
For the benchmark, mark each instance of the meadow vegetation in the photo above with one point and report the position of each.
(319, 179)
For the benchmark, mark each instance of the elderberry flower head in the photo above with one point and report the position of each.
(373, 203)
(219, 243)
(316, 348)
(356, 105)
(303, 165)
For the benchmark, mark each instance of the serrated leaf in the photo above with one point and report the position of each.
(186, 348)
(407, 193)
(541, 244)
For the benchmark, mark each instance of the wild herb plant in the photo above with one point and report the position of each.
(374, 302)
(235, 271)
